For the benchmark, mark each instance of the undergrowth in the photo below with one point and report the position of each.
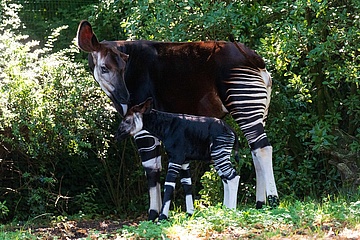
(329, 217)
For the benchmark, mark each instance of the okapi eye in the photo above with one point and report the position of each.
(104, 70)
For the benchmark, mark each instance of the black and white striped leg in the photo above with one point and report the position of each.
(247, 99)
(185, 179)
(265, 184)
(220, 153)
(169, 186)
(149, 150)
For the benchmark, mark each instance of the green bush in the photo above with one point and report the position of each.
(311, 48)
(57, 131)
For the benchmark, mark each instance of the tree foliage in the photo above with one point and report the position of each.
(57, 152)
(57, 132)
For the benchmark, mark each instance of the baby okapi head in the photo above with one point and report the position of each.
(132, 123)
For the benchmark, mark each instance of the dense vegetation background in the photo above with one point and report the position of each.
(57, 150)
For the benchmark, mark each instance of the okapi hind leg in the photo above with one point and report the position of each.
(185, 179)
(220, 152)
(260, 182)
(247, 99)
(230, 192)
(149, 151)
(265, 184)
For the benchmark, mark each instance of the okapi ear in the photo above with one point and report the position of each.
(87, 41)
(147, 105)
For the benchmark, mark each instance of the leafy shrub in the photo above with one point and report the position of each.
(56, 130)
(4, 210)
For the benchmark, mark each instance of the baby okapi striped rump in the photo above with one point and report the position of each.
(187, 137)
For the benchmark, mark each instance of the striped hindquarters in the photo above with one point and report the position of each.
(220, 153)
(247, 99)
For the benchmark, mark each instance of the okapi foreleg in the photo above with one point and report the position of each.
(149, 150)
(185, 179)
(169, 186)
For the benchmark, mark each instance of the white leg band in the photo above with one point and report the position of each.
(265, 181)
(230, 192)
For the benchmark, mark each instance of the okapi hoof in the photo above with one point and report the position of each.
(163, 217)
(259, 204)
(153, 215)
(273, 201)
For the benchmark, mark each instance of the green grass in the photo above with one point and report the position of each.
(19, 234)
(289, 220)
(292, 219)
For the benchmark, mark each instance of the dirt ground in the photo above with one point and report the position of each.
(107, 229)
(93, 229)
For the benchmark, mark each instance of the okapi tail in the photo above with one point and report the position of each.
(254, 59)
(265, 75)
(231, 38)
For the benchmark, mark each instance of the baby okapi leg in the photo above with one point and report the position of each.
(220, 153)
(149, 150)
(230, 192)
(153, 177)
(185, 179)
(170, 182)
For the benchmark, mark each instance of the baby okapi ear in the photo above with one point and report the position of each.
(147, 106)
(144, 107)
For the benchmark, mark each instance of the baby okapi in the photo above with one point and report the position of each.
(187, 137)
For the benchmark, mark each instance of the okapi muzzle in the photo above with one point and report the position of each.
(122, 133)
(130, 125)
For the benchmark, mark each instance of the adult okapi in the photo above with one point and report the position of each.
(210, 78)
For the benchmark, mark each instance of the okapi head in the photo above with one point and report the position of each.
(133, 120)
(107, 64)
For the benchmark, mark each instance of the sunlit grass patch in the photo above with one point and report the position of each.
(330, 217)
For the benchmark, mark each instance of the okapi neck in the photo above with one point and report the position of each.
(158, 123)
